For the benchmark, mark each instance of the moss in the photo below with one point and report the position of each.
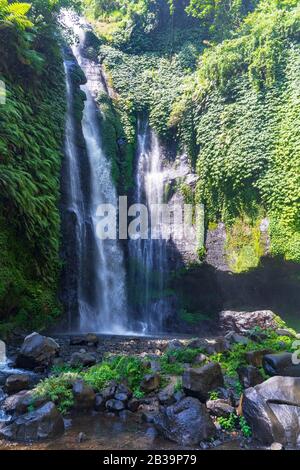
(192, 318)
(212, 226)
(244, 245)
(118, 146)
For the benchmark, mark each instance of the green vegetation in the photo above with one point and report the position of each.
(234, 422)
(244, 245)
(231, 360)
(219, 78)
(57, 389)
(226, 87)
(31, 142)
(118, 368)
(132, 370)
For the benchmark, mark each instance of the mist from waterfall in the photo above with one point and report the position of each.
(101, 279)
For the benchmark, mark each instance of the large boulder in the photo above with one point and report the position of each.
(20, 402)
(281, 364)
(210, 345)
(255, 357)
(242, 322)
(198, 382)
(83, 359)
(17, 382)
(166, 396)
(150, 382)
(272, 409)
(249, 376)
(84, 396)
(44, 423)
(37, 351)
(187, 422)
(220, 408)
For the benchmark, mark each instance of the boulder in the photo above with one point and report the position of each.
(281, 364)
(210, 345)
(174, 345)
(200, 359)
(150, 383)
(37, 351)
(17, 382)
(272, 410)
(198, 382)
(255, 358)
(133, 405)
(84, 396)
(123, 390)
(44, 423)
(236, 338)
(286, 332)
(215, 345)
(249, 376)
(166, 395)
(91, 339)
(219, 408)
(186, 422)
(242, 322)
(121, 397)
(99, 402)
(82, 359)
(20, 402)
(115, 405)
(109, 391)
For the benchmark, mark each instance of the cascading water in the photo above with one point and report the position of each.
(101, 287)
(148, 257)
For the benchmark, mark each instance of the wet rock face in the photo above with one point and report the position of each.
(242, 322)
(187, 422)
(198, 382)
(272, 409)
(37, 351)
(281, 364)
(44, 423)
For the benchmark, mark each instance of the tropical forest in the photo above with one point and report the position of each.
(150, 226)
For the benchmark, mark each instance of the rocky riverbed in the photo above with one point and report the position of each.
(240, 389)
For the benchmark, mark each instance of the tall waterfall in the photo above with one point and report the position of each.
(148, 257)
(101, 286)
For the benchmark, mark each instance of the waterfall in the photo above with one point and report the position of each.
(148, 257)
(101, 287)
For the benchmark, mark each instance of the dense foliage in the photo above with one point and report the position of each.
(228, 87)
(31, 143)
(219, 77)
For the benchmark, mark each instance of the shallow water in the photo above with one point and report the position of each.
(103, 433)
